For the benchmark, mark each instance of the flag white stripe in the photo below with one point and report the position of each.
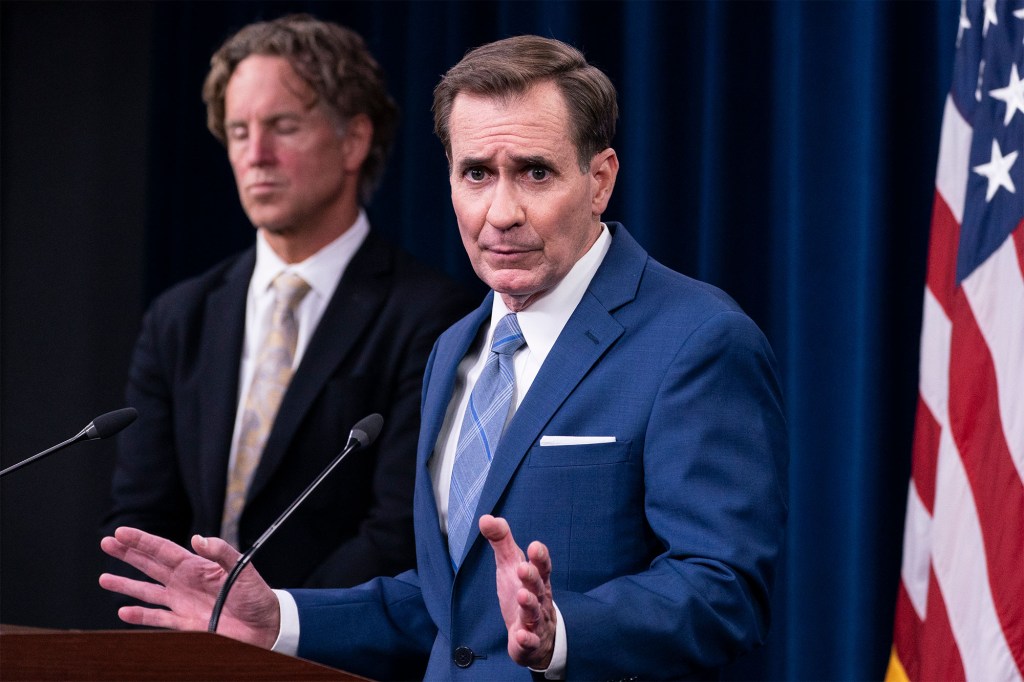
(995, 292)
(957, 552)
(917, 549)
(936, 335)
(954, 159)
(958, 556)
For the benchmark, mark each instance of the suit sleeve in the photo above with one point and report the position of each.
(380, 629)
(715, 455)
(384, 543)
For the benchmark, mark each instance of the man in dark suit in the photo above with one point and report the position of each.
(625, 417)
(227, 435)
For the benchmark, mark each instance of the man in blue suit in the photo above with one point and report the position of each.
(624, 417)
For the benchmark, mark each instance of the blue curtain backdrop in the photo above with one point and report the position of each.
(784, 151)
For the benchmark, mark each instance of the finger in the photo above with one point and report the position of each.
(540, 558)
(157, 618)
(498, 533)
(133, 557)
(531, 580)
(138, 589)
(494, 528)
(153, 555)
(216, 550)
(528, 641)
(529, 609)
(159, 548)
(113, 547)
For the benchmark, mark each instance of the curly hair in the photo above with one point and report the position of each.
(510, 67)
(335, 63)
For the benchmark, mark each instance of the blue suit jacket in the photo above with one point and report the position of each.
(663, 543)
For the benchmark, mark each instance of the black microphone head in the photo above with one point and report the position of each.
(110, 423)
(366, 430)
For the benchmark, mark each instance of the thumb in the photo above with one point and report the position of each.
(498, 533)
(216, 550)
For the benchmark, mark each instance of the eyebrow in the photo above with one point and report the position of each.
(470, 162)
(520, 161)
(271, 119)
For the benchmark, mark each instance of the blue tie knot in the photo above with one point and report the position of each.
(508, 337)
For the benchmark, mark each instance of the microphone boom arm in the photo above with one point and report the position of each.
(372, 424)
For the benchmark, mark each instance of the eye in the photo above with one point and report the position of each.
(286, 127)
(538, 173)
(476, 174)
(238, 132)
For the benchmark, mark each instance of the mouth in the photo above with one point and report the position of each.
(508, 255)
(262, 186)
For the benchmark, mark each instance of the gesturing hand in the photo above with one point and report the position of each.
(524, 593)
(188, 585)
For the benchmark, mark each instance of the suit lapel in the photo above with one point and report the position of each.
(434, 563)
(360, 294)
(455, 344)
(220, 349)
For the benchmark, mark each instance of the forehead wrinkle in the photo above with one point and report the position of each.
(489, 133)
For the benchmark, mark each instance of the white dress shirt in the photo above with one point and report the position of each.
(541, 323)
(321, 271)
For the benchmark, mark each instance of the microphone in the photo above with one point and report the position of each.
(362, 435)
(102, 426)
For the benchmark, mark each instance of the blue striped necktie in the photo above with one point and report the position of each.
(482, 425)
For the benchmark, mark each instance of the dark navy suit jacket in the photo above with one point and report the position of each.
(663, 543)
(366, 355)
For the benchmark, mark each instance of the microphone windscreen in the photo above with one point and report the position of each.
(367, 429)
(110, 423)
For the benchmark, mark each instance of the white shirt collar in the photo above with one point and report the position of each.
(321, 271)
(542, 321)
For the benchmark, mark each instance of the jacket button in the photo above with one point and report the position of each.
(463, 657)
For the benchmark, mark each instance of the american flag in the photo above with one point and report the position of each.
(960, 607)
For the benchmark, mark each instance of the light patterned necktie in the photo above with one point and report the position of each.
(273, 371)
(482, 426)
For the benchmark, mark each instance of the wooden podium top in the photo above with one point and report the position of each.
(41, 654)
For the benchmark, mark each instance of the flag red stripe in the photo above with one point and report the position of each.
(906, 634)
(942, 250)
(926, 455)
(940, 657)
(997, 488)
(926, 649)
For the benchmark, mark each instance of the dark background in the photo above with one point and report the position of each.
(784, 151)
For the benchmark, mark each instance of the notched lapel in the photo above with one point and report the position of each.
(458, 342)
(220, 350)
(435, 564)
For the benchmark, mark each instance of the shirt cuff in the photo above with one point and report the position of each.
(288, 632)
(555, 669)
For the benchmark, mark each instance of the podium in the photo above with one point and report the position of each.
(144, 655)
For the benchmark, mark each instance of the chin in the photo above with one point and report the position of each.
(271, 224)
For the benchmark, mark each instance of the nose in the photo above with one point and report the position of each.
(259, 148)
(506, 209)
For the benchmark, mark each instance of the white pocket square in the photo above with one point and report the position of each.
(574, 440)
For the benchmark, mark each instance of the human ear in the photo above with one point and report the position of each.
(356, 142)
(604, 168)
